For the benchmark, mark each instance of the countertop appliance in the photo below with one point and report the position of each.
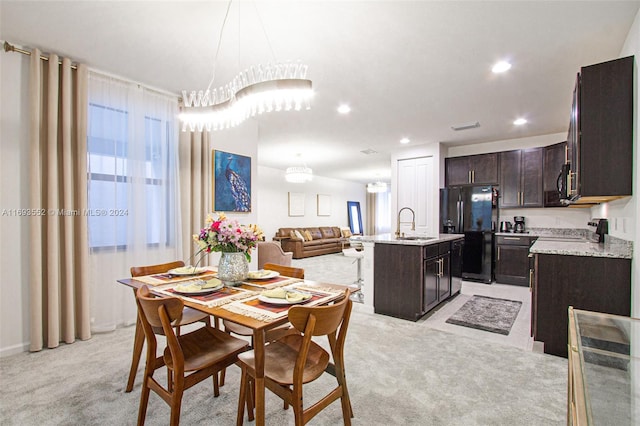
(601, 228)
(506, 226)
(519, 226)
(472, 212)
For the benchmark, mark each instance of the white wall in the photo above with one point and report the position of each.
(273, 199)
(508, 144)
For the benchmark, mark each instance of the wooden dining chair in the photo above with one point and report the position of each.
(294, 360)
(274, 333)
(189, 316)
(190, 358)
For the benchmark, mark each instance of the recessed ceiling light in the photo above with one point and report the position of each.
(501, 66)
(520, 122)
(404, 140)
(344, 109)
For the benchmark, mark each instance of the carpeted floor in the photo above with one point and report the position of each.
(398, 372)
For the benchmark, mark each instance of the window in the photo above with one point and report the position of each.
(128, 179)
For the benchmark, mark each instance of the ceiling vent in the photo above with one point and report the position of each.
(466, 126)
(369, 151)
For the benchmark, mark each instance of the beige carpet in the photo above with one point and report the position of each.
(398, 372)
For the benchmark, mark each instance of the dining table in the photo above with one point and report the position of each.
(242, 304)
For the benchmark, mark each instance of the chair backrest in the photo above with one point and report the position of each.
(153, 308)
(327, 318)
(271, 252)
(140, 271)
(287, 271)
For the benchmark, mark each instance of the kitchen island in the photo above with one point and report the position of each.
(410, 275)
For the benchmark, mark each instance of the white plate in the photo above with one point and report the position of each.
(271, 274)
(278, 301)
(199, 292)
(187, 270)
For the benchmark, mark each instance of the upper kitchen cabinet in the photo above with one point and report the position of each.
(555, 156)
(600, 139)
(521, 178)
(481, 169)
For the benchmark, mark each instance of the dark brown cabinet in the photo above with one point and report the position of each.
(521, 178)
(600, 140)
(481, 169)
(598, 284)
(555, 156)
(512, 259)
(410, 280)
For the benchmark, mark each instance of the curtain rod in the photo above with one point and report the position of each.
(11, 48)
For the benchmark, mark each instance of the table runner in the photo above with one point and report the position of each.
(254, 308)
(158, 279)
(218, 298)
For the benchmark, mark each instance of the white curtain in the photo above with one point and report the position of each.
(134, 212)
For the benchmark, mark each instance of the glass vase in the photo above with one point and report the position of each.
(233, 268)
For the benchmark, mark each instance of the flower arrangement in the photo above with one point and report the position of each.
(228, 236)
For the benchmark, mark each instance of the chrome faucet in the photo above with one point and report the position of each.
(413, 220)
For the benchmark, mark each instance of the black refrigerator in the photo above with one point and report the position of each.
(471, 210)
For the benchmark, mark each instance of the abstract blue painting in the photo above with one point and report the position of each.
(232, 182)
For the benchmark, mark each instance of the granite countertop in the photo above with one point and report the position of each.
(578, 242)
(421, 240)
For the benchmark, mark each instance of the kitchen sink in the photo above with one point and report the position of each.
(415, 237)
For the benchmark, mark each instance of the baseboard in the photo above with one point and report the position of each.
(15, 349)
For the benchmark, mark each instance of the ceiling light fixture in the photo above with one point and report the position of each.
(501, 66)
(405, 141)
(376, 187)
(520, 122)
(344, 109)
(298, 174)
(274, 87)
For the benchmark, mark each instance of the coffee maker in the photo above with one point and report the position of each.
(519, 224)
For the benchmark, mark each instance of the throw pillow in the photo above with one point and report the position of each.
(346, 233)
(307, 236)
(292, 234)
(299, 235)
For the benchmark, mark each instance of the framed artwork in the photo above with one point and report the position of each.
(355, 217)
(231, 182)
(296, 204)
(324, 205)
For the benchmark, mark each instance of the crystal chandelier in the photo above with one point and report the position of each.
(274, 87)
(298, 174)
(375, 187)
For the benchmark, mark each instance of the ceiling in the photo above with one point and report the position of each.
(407, 69)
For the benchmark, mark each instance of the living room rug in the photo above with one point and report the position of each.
(488, 314)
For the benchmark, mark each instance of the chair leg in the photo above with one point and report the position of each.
(298, 407)
(176, 403)
(144, 401)
(245, 397)
(216, 387)
(138, 342)
(222, 376)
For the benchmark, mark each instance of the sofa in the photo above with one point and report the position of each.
(313, 241)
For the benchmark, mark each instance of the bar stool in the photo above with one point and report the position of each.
(358, 255)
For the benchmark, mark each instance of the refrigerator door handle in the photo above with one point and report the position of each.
(461, 216)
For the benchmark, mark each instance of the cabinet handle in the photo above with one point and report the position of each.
(469, 176)
(512, 238)
(473, 176)
(498, 253)
(530, 280)
(566, 154)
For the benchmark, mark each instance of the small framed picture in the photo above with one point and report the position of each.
(231, 182)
